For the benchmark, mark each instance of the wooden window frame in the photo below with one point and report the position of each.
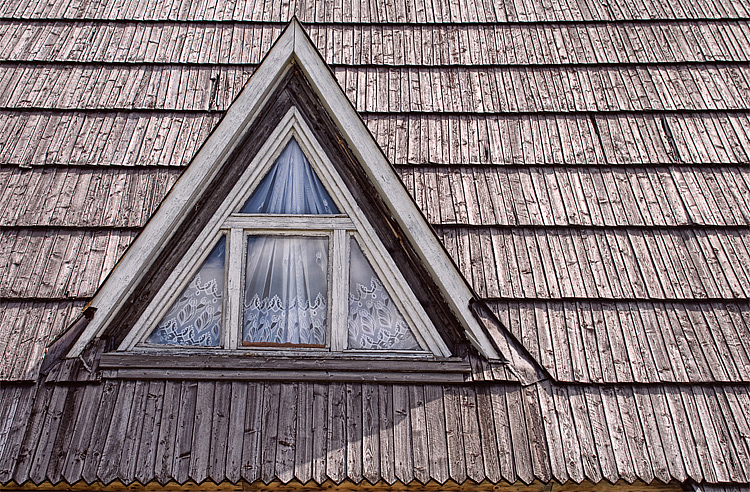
(237, 227)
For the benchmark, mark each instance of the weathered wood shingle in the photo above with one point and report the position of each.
(583, 162)
(166, 430)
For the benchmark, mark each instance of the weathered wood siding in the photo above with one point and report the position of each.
(583, 162)
(556, 161)
(178, 431)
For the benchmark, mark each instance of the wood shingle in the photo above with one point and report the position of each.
(583, 163)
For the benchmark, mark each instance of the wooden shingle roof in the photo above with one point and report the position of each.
(584, 163)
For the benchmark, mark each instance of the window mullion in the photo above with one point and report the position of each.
(339, 291)
(234, 288)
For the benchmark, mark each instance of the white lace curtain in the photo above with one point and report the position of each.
(286, 290)
(375, 322)
(290, 187)
(287, 277)
(195, 317)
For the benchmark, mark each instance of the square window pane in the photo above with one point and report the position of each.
(286, 291)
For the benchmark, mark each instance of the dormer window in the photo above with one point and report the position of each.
(287, 270)
(288, 234)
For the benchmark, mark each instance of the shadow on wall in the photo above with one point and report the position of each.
(169, 431)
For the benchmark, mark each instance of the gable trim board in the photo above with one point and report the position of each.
(293, 51)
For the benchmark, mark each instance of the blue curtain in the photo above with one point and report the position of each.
(290, 187)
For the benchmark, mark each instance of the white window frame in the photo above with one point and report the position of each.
(236, 226)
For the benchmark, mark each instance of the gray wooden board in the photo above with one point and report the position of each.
(354, 432)
(620, 343)
(473, 112)
(287, 432)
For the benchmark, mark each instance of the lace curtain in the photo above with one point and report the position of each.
(290, 187)
(286, 290)
(374, 320)
(286, 285)
(195, 317)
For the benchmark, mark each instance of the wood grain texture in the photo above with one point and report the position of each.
(44, 40)
(118, 130)
(583, 163)
(630, 336)
(592, 428)
(726, 84)
(399, 12)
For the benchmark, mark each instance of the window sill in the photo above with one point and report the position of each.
(245, 367)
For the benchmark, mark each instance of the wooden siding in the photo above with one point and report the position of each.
(400, 11)
(500, 263)
(627, 341)
(480, 89)
(583, 162)
(550, 196)
(92, 197)
(26, 328)
(580, 263)
(585, 195)
(182, 42)
(167, 138)
(177, 431)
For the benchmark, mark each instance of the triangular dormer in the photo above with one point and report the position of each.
(288, 261)
(209, 249)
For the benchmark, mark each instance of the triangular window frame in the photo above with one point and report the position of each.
(351, 223)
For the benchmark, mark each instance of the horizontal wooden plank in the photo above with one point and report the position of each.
(26, 329)
(624, 263)
(355, 44)
(118, 138)
(58, 264)
(399, 12)
(644, 342)
(73, 197)
(312, 362)
(350, 486)
(592, 196)
(288, 222)
(442, 138)
(576, 88)
(570, 139)
(285, 375)
(583, 196)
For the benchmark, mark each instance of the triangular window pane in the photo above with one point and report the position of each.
(290, 187)
(195, 317)
(375, 322)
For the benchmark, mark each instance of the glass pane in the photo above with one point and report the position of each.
(195, 317)
(374, 320)
(290, 187)
(286, 289)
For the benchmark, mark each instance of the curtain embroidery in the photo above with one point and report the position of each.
(297, 321)
(375, 322)
(286, 290)
(195, 317)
